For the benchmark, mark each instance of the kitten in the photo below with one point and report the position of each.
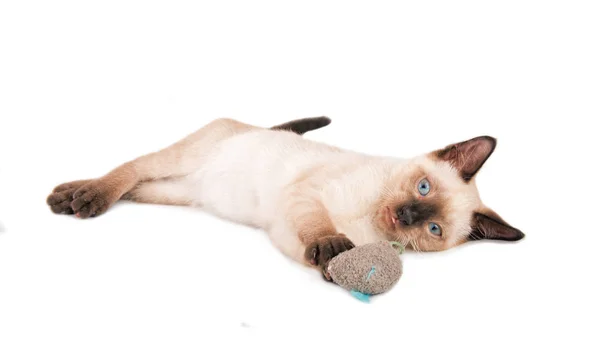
(314, 200)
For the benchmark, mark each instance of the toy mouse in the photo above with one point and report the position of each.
(367, 269)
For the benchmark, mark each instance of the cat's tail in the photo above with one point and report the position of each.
(303, 125)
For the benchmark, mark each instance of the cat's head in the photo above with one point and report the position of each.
(432, 203)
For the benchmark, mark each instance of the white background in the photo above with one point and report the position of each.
(85, 86)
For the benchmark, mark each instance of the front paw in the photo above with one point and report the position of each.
(321, 251)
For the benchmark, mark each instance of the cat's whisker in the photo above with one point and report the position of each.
(415, 246)
(402, 240)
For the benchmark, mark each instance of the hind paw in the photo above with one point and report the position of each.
(62, 196)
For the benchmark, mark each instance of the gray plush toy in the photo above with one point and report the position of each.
(368, 269)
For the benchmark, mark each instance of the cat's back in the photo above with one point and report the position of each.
(266, 151)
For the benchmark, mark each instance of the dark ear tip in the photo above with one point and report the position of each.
(489, 139)
(520, 235)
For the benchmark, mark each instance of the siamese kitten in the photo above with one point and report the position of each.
(314, 200)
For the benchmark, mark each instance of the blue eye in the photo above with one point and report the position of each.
(435, 228)
(424, 187)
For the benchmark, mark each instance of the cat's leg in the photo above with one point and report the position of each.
(163, 191)
(94, 197)
(305, 231)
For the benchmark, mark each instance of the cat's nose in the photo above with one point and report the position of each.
(407, 215)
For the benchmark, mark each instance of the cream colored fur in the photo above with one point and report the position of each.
(292, 187)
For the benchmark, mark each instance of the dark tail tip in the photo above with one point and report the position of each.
(303, 125)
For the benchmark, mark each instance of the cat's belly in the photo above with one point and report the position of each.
(244, 176)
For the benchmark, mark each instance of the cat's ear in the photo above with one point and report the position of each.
(467, 156)
(489, 225)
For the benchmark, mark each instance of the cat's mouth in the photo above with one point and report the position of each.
(391, 218)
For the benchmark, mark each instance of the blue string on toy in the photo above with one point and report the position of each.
(359, 295)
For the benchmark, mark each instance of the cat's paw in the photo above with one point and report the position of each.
(62, 196)
(93, 199)
(321, 251)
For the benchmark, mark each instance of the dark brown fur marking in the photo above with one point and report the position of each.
(417, 212)
(304, 125)
(62, 196)
(493, 227)
(321, 251)
(468, 156)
